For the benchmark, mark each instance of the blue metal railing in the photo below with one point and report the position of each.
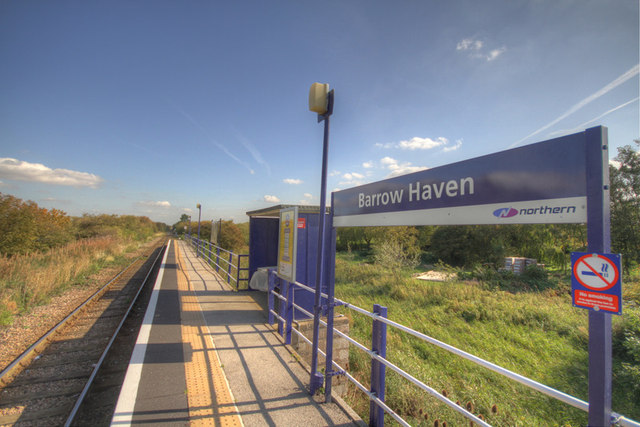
(221, 259)
(377, 352)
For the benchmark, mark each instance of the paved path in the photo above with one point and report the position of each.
(205, 356)
(268, 383)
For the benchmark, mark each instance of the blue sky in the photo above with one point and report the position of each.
(149, 107)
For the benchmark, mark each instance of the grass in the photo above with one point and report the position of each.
(535, 333)
(30, 280)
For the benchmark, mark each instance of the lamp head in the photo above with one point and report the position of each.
(319, 98)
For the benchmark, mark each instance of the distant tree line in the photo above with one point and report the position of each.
(471, 245)
(231, 236)
(25, 227)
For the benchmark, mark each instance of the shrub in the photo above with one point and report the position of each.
(534, 278)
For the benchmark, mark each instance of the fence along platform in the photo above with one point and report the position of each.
(234, 368)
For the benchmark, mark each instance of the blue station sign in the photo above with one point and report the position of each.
(535, 184)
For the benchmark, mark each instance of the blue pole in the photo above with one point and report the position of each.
(316, 378)
(270, 302)
(599, 241)
(331, 257)
(282, 307)
(289, 313)
(378, 345)
(199, 214)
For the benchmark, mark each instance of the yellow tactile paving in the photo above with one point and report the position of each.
(210, 399)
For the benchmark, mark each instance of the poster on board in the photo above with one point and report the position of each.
(287, 244)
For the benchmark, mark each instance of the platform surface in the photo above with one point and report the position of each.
(205, 356)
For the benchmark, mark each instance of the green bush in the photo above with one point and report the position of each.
(533, 278)
(626, 349)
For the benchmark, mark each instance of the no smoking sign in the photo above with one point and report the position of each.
(595, 281)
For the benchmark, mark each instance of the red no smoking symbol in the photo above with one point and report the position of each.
(596, 272)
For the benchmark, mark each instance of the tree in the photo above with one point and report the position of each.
(25, 227)
(396, 247)
(231, 237)
(625, 204)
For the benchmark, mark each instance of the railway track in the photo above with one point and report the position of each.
(73, 374)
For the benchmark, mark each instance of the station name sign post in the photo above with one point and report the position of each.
(563, 180)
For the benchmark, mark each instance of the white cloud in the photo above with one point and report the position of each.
(386, 145)
(292, 181)
(187, 210)
(388, 161)
(352, 176)
(334, 173)
(307, 200)
(406, 168)
(417, 143)
(457, 145)
(476, 49)
(158, 204)
(469, 44)
(495, 53)
(614, 163)
(271, 199)
(352, 179)
(367, 165)
(397, 168)
(14, 169)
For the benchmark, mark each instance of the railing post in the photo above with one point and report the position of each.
(238, 273)
(379, 346)
(282, 307)
(229, 267)
(217, 259)
(289, 313)
(272, 286)
(331, 259)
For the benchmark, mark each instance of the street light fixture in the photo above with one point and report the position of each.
(321, 102)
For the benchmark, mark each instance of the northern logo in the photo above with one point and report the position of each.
(505, 212)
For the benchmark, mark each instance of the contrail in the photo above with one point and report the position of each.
(255, 153)
(617, 82)
(581, 126)
(214, 142)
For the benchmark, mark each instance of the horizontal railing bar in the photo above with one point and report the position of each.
(623, 421)
(549, 391)
(428, 389)
(573, 401)
(277, 316)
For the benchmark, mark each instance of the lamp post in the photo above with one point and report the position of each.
(321, 102)
(199, 206)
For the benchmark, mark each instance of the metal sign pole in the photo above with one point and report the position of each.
(599, 241)
(316, 378)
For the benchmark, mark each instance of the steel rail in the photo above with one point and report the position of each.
(97, 366)
(30, 353)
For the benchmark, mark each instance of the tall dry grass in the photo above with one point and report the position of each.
(29, 280)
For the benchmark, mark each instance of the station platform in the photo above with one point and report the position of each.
(206, 356)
